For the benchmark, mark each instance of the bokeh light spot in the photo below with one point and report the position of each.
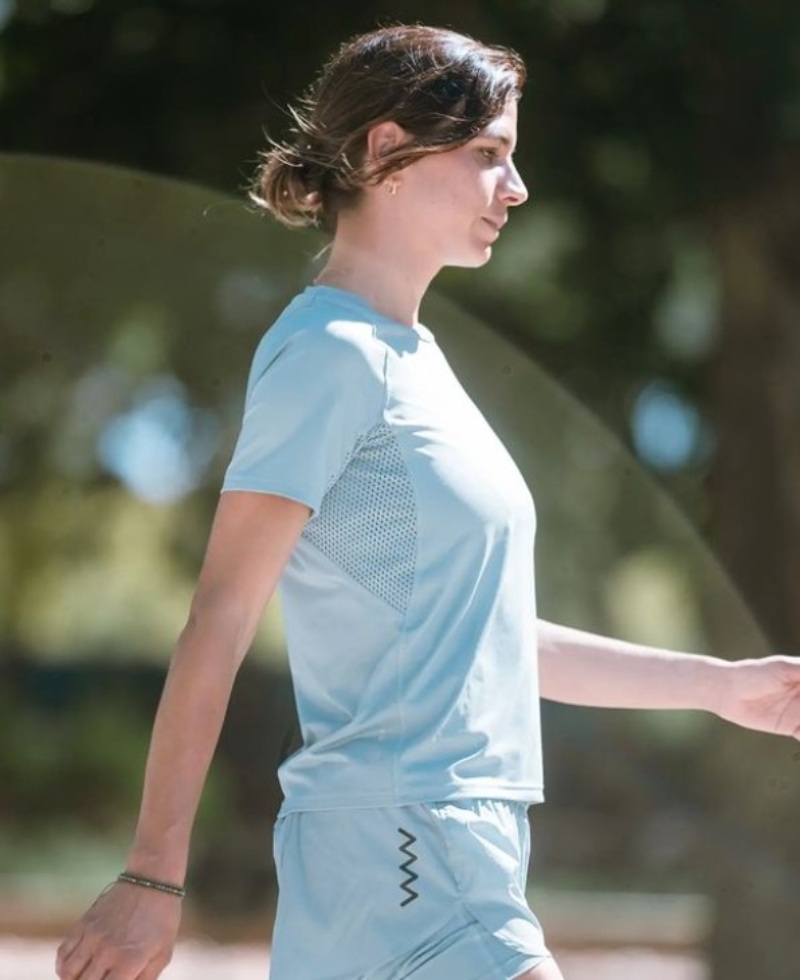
(243, 295)
(7, 10)
(667, 432)
(686, 320)
(161, 447)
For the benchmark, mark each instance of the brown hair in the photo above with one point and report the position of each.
(441, 87)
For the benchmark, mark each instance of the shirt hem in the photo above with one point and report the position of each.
(512, 794)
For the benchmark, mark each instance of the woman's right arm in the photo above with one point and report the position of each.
(129, 932)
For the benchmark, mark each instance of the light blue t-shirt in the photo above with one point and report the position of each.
(408, 602)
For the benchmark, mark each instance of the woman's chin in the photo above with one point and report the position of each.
(476, 258)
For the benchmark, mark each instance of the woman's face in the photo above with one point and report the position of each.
(456, 202)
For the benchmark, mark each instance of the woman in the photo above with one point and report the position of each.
(402, 533)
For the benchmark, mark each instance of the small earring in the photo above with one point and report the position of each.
(392, 186)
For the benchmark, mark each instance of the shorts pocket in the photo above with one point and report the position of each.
(488, 848)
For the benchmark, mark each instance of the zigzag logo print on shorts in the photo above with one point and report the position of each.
(405, 848)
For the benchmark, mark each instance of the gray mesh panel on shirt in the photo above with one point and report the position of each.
(367, 522)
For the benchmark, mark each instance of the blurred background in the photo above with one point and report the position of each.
(635, 340)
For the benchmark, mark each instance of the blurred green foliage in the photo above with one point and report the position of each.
(86, 764)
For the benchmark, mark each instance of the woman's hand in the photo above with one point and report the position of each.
(129, 933)
(763, 695)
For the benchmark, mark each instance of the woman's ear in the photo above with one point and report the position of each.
(383, 139)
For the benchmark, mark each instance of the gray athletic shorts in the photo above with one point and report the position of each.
(429, 891)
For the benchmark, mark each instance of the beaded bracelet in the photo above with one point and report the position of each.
(159, 886)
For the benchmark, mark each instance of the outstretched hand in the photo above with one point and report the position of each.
(764, 695)
(129, 933)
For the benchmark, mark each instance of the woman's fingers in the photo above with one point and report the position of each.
(109, 964)
(90, 961)
(63, 953)
(72, 956)
(97, 970)
(153, 972)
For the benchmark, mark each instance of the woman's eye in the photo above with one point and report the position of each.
(489, 154)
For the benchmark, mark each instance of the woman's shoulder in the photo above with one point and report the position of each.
(320, 319)
(316, 331)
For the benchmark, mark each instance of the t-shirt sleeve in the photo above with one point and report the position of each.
(307, 407)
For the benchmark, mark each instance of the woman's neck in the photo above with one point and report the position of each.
(378, 275)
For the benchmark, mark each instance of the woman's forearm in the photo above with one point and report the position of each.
(251, 539)
(185, 734)
(583, 668)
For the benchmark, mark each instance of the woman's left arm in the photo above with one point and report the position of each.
(582, 668)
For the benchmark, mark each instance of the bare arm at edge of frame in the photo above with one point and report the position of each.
(582, 668)
(251, 539)
(576, 667)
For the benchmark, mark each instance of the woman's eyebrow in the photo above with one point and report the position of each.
(500, 137)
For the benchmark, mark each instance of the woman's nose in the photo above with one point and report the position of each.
(515, 190)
